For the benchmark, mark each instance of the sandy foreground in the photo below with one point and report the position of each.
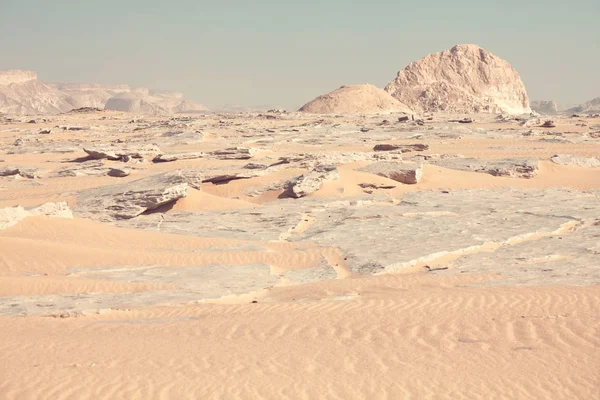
(464, 285)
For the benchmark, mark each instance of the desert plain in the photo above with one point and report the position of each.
(292, 255)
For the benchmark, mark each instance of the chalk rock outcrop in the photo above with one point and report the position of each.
(404, 173)
(12, 215)
(81, 95)
(312, 181)
(464, 79)
(567, 159)
(128, 200)
(148, 102)
(524, 168)
(590, 107)
(357, 99)
(544, 107)
(22, 93)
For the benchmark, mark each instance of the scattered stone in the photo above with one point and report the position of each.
(465, 121)
(404, 173)
(403, 119)
(24, 172)
(45, 132)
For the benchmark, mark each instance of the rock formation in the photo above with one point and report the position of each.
(311, 182)
(111, 203)
(147, 102)
(464, 79)
(81, 95)
(404, 173)
(10, 216)
(22, 93)
(544, 107)
(357, 99)
(590, 107)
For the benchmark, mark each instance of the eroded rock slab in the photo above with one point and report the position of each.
(586, 162)
(12, 215)
(312, 181)
(115, 152)
(131, 199)
(404, 173)
(511, 167)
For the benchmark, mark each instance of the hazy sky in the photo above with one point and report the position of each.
(284, 53)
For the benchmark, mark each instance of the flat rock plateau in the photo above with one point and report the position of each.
(294, 255)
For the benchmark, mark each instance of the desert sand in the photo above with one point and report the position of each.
(281, 269)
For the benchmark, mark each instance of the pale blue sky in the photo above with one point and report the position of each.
(282, 53)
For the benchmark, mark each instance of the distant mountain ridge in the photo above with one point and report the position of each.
(21, 92)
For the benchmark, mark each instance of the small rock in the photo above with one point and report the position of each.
(177, 157)
(548, 124)
(119, 172)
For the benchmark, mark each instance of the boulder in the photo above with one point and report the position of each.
(128, 200)
(312, 181)
(404, 173)
(464, 79)
(119, 172)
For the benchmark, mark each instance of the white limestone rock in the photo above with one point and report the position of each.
(128, 200)
(404, 173)
(356, 99)
(312, 181)
(464, 79)
(10, 216)
(567, 159)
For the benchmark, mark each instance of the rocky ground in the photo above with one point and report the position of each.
(104, 212)
(372, 188)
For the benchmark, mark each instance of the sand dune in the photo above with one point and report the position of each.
(404, 339)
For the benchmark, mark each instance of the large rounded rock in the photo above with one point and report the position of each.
(464, 79)
(357, 99)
